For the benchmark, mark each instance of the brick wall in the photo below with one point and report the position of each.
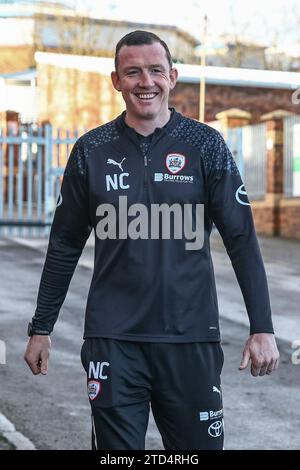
(264, 218)
(290, 218)
(71, 99)
(281, 219)
(257, 101)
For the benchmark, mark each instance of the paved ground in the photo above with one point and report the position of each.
(5, 445)
(53, 411)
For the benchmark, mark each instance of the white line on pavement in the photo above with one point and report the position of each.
(17, 439)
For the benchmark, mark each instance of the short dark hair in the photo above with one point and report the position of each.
(139, 38)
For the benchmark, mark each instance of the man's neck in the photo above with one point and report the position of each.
(147, 126)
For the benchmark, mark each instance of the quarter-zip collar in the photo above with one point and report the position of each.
(159, 132)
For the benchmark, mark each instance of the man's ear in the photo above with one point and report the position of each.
(115, 80)
(173, 77)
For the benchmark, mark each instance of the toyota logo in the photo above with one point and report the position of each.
(215, 429)
(241, 196)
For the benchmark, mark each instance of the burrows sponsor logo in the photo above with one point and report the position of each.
(158, 177)
(208, 415)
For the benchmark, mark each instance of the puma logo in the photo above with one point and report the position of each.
(110, 161)
(215, 389)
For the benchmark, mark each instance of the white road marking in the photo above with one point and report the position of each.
(17, 439)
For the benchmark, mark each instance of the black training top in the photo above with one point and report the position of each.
(152, 289)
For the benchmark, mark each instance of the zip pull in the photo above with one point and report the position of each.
(145, 160)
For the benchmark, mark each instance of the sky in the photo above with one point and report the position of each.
(259, 20)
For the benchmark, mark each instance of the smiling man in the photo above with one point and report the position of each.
(145, 76)
(152, 321)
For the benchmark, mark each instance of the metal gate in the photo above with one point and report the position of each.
(235, 143)
(291, 140)
(32, 162)
(248, 147)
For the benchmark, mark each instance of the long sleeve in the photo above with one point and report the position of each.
(69, 232)
(230, 210)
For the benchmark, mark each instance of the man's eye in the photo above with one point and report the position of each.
(132, 72)
(156, 70)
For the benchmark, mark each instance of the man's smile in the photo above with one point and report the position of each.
(146, 96)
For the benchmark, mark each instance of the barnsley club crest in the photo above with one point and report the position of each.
(94, 388)
(175, 162)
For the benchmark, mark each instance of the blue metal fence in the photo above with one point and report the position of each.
(235, 143)
(32, 161)
(291, 138)
(248, 146)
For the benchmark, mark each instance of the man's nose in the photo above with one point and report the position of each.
(146, 79)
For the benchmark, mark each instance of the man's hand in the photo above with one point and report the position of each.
(261, 349)
(37, 354)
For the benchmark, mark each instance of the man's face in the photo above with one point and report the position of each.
(145, 79)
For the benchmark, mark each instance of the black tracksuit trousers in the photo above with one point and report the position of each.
(180, 380)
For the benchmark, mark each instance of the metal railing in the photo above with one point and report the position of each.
(32, 161)
(248, 146)
(291, 152)
(254, 153)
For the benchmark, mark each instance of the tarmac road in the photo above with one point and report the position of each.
(53, 411)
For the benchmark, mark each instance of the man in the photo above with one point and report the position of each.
(151, 329)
